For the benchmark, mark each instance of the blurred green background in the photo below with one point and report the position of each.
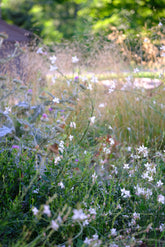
(58, 20)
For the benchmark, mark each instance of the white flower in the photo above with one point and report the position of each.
(92, 211)
(71, 137)
(54, 225)
(78, 215)
(53, 68)
(106, 150)
(56, 100)
(94, 79)
(118, 206)
(61, 146)
(57, 159)
(163, 55)
(159, 183)
(85, 223)
(110, 90)
(54, 79)
(142, 191)
(61, 185)
(136, 216)
(113, 232)
(36, 191)
(83, 78)
(125, 193)
(94, 177)
(145, 40)
(110, 127)
(35, 211)
(73, 125)
(87, 241)
(162, 227)
(161, 199)
(101, 105)
(47, 210)
(160, 24)
(126, 166)
(53, 59)
(75, 59)
(112, 142)
(136, 70)
(68, 82)
(143, 150)
(40, 51)
(59, 220)
(92, 119)
(7, 110)
(112, 86)
(95, 237)
(113, 245)
(89, 87)
(162, 47)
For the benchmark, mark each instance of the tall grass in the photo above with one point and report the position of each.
(82, 160)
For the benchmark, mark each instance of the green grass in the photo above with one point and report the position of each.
(82, 167)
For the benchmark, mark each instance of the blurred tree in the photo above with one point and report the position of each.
(55, 20)
(51, 19)
(127, 15)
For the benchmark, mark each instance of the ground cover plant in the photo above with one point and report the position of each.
(82, 152)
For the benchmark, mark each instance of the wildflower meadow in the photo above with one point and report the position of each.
(82, 144)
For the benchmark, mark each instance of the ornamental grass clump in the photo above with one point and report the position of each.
(81, 158)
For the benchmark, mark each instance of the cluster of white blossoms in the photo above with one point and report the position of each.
(61, 146)
(73, 125)
(136, 216)
(150, 171)
(106, 150)
(94, 241)
(57, 160)
(143, 151)
(78, 214)
(142, 191)
(53, 67)
(55, 224)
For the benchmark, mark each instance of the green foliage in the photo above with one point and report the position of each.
(58, 20)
